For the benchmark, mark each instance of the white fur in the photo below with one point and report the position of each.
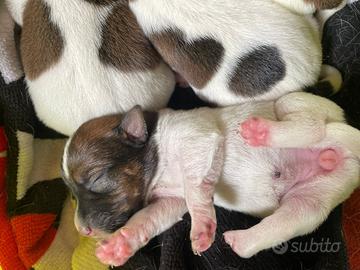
(16, 8)
(10, 67)
(65, 168)
(79, 87)
(299, 6)
(240, 26)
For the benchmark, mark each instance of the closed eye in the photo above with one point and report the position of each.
(101, 184)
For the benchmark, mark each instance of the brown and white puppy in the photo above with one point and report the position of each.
(144, 170)
(87, 58)
(233, 51)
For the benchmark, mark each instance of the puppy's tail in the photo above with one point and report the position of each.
(329, 84)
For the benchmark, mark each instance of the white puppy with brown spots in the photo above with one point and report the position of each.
(290, 161)
(87, 58)
(233, 51)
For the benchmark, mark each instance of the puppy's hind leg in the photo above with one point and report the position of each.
(302, 120)
(301, 211)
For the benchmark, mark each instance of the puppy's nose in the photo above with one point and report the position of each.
(86, 231)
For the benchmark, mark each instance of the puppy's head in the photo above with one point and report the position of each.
(108, 164)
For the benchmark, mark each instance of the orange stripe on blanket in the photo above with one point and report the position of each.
(34, 234)
(9, 259)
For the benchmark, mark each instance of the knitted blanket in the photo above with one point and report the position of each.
(36, 211)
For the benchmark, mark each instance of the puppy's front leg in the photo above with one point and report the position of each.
(202, 173)
(302, 122)
(149, 222)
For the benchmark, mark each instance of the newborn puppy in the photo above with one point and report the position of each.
(87, 58)
(144, 170)
(233, 51)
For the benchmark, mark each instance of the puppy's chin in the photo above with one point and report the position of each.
(100, 236)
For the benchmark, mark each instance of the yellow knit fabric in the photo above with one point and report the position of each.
(84, 256)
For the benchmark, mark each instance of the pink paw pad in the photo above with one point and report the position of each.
(115, 251)
(203, 240)
(255, 131)
(328, 159)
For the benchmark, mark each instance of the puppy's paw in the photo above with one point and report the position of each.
(241, 243)
(255, 131)
(117, 249)
(202, 234)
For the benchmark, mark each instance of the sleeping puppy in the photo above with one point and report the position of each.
(233, 51)
(87, 58)
(143, 170)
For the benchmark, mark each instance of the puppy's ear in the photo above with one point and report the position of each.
(133, 127)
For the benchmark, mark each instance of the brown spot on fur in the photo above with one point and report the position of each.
(87, 144)
(257, 71)
(196, 61)
(101, 2)
(41, 42)
(325, 4)
(124, 45)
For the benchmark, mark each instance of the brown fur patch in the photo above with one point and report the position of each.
(325, 4)
(124, 45)
(85, 148)
(196, 61)
(257, 71)
(101, 2)
(41, 42)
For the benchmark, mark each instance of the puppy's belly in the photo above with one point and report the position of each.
(256, 203)
(254, 190)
